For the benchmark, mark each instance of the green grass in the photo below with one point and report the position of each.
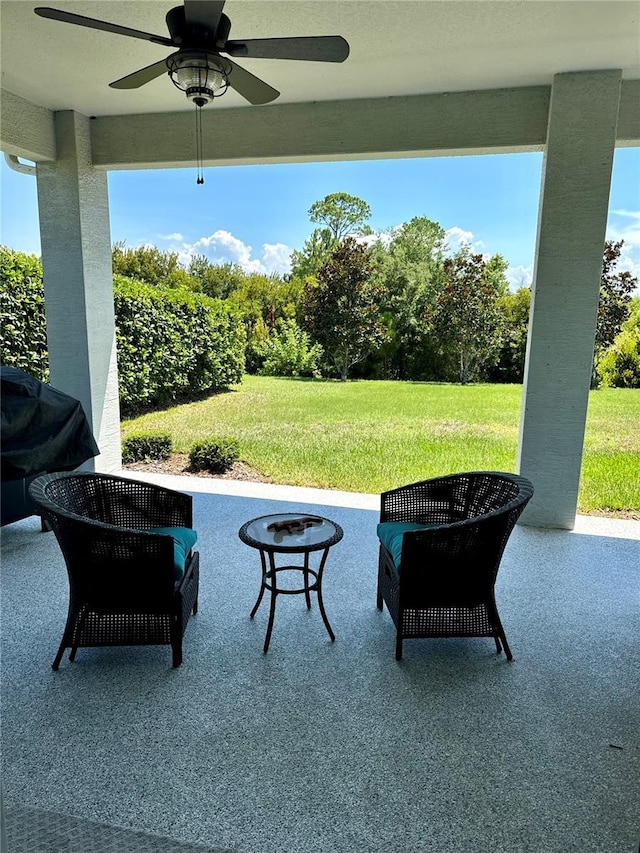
(369, 436)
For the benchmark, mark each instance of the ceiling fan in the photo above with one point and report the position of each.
(199, 33)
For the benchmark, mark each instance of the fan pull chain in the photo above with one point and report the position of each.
(200, 178)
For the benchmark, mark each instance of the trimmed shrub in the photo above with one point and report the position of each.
(146, 446)
(215, 455)
(22, 317)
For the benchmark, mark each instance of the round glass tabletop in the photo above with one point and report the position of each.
(290, 532)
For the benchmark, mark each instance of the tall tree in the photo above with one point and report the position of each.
(614, 303)
(341, 308)
(340, 215)
(216, 280)
(467, 317)
(409, 268)
(616, 289)
(515, 328)
(316, 251)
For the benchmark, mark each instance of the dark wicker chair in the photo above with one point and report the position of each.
(444, 586)
(122, 587)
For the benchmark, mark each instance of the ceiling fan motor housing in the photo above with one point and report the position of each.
(196, 35)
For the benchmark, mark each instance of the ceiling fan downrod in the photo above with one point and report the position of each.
(199, 164)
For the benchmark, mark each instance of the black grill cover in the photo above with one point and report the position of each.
(42, 428)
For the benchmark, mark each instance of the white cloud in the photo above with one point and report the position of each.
(625, 225)
(223, 247)
(619, 228)
(276, 258)
(519, 276)
(456, 238)
(172, 237)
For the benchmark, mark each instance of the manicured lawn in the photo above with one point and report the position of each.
(367, 436)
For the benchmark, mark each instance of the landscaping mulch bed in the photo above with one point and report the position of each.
(178, 463)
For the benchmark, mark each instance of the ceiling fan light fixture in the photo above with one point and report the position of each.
(202, 76)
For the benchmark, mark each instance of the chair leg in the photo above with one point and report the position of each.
(499, 636)
(505, 645)
(175, 638)
(379, 599)
(398, 645)
(56, 664)
(74, 621)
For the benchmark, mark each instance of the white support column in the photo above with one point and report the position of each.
(564, 301)
(76, 257)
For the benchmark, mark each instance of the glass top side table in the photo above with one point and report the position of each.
(290, 533)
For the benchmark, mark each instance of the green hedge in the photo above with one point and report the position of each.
(23, 342)
(172, 344)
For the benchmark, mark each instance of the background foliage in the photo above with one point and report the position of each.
(394, 305)
(172, 343)
(24, 329)
(619, 364)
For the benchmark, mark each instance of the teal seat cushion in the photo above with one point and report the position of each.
(184, 538)
(391, 533)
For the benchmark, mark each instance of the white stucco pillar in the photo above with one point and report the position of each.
(76, 258)
(571, 230)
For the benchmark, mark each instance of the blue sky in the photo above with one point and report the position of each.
(256, 215)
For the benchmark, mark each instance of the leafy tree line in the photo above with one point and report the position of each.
(444, 316)
(398, 306)
(352, 308)
(356, 304)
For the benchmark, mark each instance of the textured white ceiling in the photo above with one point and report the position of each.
(397, 48)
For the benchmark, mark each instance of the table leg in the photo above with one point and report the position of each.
(305, 572)
(262, 585)
(320, 601)
(272, 607)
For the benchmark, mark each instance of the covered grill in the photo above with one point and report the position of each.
(43, 430)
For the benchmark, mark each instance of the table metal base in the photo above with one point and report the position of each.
(270, 582)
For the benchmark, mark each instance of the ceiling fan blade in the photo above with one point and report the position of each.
(95, 24)
(252, 88)
(203, 13)
(140, 77)
(314, 48)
